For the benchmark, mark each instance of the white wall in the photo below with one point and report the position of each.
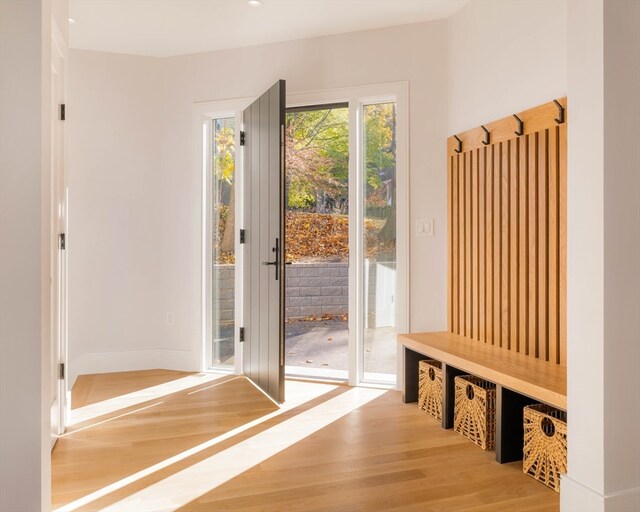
(25, 344)
(622, 254)
(505, 57)
(118, 290)
(603, 258)
(20, 357)
(131, 159)
(585, 218)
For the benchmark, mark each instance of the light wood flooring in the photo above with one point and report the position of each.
(161, 440)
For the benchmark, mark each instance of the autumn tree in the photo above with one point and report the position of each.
(380, 151)
(224, 171)
(317, 171)
(317, 158)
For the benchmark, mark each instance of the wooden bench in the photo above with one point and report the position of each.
(520, 380)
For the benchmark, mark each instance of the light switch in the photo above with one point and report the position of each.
(424, 227)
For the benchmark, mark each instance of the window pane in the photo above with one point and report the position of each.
(380, 242)
(223, 242)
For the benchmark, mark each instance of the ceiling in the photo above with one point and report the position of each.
(163, 28)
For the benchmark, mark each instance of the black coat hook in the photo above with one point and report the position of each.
(560, 118)
(459, 148)
(487, 136)
(520, 130)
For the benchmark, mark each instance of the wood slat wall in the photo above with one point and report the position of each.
(507, 234)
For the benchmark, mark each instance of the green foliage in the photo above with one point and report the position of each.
(380, 151)
(224, 150)
(317, 156)
(380, 192)
(300, 196)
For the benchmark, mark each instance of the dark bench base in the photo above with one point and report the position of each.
(509, 406)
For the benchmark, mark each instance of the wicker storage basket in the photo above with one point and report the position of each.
(430, 388)
(545, 444)
(474, 412)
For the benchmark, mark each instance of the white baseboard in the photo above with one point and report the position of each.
(127, 361)
(577, 497)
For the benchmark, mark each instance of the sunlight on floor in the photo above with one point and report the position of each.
(118, 403)
(181, 488)
(113, 418)
(204, 476)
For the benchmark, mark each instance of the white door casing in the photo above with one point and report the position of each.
(58, 234)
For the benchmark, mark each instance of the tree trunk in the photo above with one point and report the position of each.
(388, 231)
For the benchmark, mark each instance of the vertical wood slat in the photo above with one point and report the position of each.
(482, 269)
(489, 244)
(504, 246)
(562, 242)
(450, 250)
(507, 246)
(533, 245)
(467, 253)
(543, 311)
(461, 248)
(497, 241)
(513, 245)
(523, 246)
(553, 261)
(475, 199)
(453, 263)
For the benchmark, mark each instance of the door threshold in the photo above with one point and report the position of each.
(324, 374)
(316, 380)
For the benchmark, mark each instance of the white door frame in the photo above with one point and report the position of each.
(357, 98)
(60, 403)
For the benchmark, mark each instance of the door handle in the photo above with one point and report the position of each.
(275, 262)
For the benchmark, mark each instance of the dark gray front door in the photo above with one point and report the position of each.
(264, 195)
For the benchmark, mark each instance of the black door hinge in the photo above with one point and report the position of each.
(61, 374)
(62, 241)
(241, 333)
(243, 236)
(63, 113)
(242, 138)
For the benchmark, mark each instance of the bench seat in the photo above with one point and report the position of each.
(520, 380)
(525, 375)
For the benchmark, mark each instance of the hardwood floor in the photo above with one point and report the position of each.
(162, 440)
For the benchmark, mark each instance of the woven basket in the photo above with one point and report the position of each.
(474, 412)
(545, 444)
(430, 388)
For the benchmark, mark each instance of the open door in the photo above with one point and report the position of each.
(262, 139)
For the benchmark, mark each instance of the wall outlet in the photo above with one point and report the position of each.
(424, 227)
(170, 319)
